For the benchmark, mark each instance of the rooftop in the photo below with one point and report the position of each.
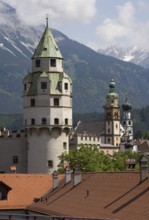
(23, 189)
(100, 195)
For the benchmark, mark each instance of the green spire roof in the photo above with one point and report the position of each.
(47, 46)
(112, 93)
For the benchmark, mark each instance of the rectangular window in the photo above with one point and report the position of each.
(44, 121)
(25, 87)
(32, 102)
(15, 159)
(66, 86)
(43, 85)
(50, 163)
(56, 102)
(32, 121)
(56, 121)
(66, 121)
(38, 63)
(53, 62)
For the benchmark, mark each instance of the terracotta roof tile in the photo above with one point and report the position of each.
(24, 188)
(110, 195)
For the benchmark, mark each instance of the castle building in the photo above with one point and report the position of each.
(112, 117)
(127, 122)
(47, 107)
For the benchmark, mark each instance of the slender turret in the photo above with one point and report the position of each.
(112, 116)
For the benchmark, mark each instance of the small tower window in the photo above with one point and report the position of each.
(108, 140)
(50, 163)
(38, 63)
(129, 122)
(56, 121)
(44, 121)
(56, 102)
(64, 145)
(108, 130)
(32, 102)
(66, 86)
(53, 62)
(66, 121)
(43, 85)
(32, 121)
(15, 159)
(25, 87)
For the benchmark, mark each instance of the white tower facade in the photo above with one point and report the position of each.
(47, 107)
(127, 122)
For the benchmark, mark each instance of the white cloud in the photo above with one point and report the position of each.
(125, 29)
(34, 11)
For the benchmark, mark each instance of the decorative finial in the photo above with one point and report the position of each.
(47, 20)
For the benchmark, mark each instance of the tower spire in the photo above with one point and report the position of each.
(47, 19)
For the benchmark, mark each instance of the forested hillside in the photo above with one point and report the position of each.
(140, 119)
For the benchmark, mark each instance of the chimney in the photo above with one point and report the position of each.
(67, 175)
(143, 168)
(130, 164)
(55, 179)
(76, 176)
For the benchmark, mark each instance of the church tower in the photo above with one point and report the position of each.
(112, 117)
(127, 122)
(47, 107)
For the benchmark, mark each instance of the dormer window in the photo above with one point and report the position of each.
(4, 189)
(53, 62)
(38, 63)
(43, 85)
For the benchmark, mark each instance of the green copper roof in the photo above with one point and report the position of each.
(112, 93)
(55, 79)
(47, 46)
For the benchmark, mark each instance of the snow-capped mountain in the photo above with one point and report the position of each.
(128, 54)
(17, 40)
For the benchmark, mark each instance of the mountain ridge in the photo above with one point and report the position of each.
(90, 71)
(129, 54)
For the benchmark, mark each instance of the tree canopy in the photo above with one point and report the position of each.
(91, 159)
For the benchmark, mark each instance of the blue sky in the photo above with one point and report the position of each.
(96, 23)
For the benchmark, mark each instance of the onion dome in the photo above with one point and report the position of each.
(112, 93)
(126, 106)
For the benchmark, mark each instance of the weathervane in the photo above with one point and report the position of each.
(47, 18)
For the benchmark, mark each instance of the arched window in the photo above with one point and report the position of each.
(124, 122)
(56, 121)
(129, 122)
(44, 121)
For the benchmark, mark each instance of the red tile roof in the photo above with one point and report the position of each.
(100, 195)
(24, 188)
